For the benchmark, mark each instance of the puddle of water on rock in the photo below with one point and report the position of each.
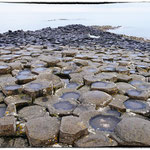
(104, 122)
(91, 69)
(65, 105)
(3, 67)
(2, 111)
(110, 69)
(44, 99)
(39, 69)
(99, 84)
(72, 85)
(69, 95)
(35, 86)
(12, 87)
(136, 82)
(25, 72)
(134, 92)
(134, 105)
(67, 71)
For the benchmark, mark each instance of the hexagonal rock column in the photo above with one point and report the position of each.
(31, 112)
(108, 87)
(42, 131)
(97, 139)
(71, 129)
(7, 126)
(99, 98)
(4, 69)
(38, 88)
(133, 131)
(138, 94)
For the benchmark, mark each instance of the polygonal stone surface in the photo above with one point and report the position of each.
(123, 78)
(137, 106)
(20, 143)
(122, 70)
(138, 94)
(118, 102)
(12, 89)
(22, 79)
(81, 108)
(97, 139)
(133, 131)
(4, 69)
(51, 61)
(7, 126)
(104, 76)
(124, 87)
(71, 129)
(18, 100)
(108, 87)
(68, 94)
(31, 112)
(102, 122)
(62, 107)
(45, 100)
(98, 98)
(42, 131)
(56, 81)
(37, 88)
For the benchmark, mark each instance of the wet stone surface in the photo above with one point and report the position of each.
(104, 122)
(62, 107)
(62, 87)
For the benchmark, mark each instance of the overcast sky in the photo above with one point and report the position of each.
(74, 0)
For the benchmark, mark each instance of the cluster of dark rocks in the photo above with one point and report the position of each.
(73, 35)
(87, 95)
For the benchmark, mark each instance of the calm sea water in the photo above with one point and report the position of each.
(133, 17)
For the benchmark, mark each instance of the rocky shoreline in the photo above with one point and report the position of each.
(72, 35)
(73, 86)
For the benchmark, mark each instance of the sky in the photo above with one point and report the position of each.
(74, 0)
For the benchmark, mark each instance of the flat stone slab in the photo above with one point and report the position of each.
(133, 131)
(12, 89)
(66, 93)
(95, 140)
(118, 102)
(107, 76)
(18, 100)
(104, 122)
(137, 106)
(7, 126)
(31, 112)
(4, 69)
(42, 131)
(108, 87)
(62, 107)
(81, 108)
(45, 100)
(38, 88)
(138, 94)
(99, 98)
(124, 87)
(71, 129)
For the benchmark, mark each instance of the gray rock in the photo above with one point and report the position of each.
(7, 126)
(133, 131)
(97, 139)
(42, 131)
(98, 98)
(31, 112)
(71, 129)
